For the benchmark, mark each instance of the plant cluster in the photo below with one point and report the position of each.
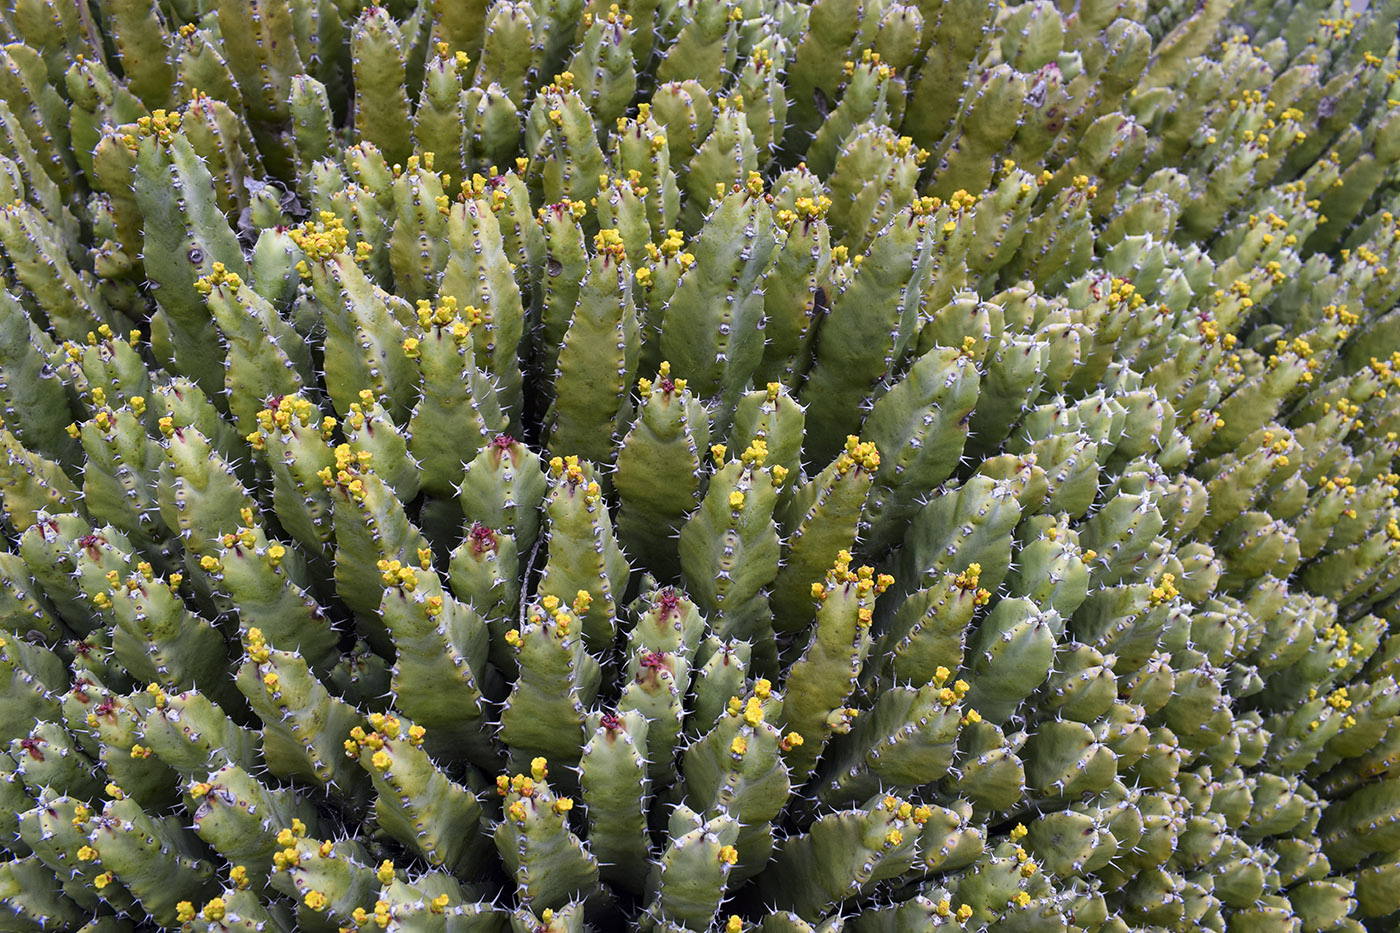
(699, 465)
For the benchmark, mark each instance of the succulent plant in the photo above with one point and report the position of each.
(699, 465)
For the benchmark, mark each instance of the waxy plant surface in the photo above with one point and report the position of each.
(727, 466)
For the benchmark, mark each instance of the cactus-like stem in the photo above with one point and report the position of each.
(548, 861)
